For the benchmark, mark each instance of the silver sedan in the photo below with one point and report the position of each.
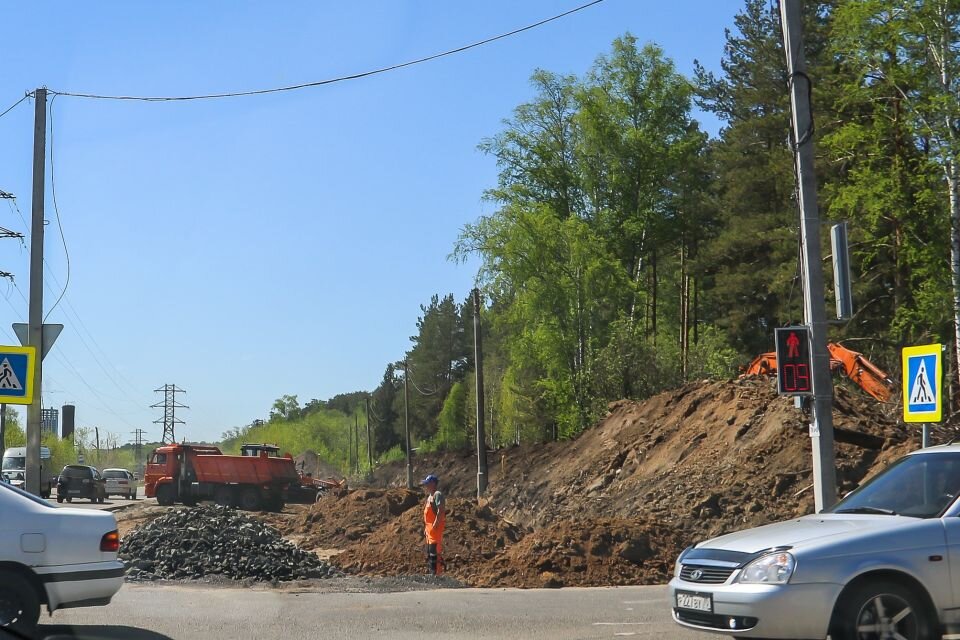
(882, 564)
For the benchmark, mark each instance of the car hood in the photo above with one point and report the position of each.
(805, 531)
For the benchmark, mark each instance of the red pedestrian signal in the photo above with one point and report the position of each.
(794, 372)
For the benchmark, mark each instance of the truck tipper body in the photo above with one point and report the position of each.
(189, 473)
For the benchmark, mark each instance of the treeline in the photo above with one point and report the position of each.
(630, 252)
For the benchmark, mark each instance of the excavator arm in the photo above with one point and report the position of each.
(868, 376)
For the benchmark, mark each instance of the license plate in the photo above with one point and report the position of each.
(74, 491)
(695, 601)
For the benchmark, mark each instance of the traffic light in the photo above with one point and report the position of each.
(794, 377)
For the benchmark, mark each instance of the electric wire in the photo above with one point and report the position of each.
(318, 83)
(15, 104)
(56, 209)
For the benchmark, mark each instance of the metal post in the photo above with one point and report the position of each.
(406, 425)
(478, 365)
(369, 440)
(821, 427)
(925, 442)
(35, 315)
(3, 426)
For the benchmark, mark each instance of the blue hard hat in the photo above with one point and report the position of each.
(430, 478)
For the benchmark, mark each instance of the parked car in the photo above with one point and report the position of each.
(883, 563)
(120, 482)
(81, 481)
(60, 557)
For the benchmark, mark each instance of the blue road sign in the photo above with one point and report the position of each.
(16, 374)
(922, 375)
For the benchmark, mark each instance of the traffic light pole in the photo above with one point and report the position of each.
(821, 426)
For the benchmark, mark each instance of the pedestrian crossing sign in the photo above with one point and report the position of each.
(922, 376)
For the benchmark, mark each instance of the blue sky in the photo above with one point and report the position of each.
(252, 247)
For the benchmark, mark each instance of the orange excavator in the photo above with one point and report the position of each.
(855, 366)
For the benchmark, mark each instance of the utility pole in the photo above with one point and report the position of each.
(356, 443)
(814, 312)
(478, 365)
(349, 449)
(169, 406)
(138, 449)
(369, 440)
(406, 425)
(35, 314)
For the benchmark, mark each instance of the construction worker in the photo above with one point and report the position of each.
(434, 520)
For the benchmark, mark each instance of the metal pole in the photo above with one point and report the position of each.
(3, 426)
(925, 442)
(369, 441)
(406, 426)
(478, 365)
(35, 315)
(821, 427)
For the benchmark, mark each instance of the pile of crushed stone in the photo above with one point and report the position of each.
(198, 542)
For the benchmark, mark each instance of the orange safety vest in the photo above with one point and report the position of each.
(433, 532)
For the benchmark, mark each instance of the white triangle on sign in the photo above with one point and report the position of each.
(921, 391)
(8, 379)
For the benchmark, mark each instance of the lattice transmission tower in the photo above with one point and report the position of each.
(169, 406)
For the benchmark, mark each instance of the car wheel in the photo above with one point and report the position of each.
(879, 610)
(60, 499)
(19, 605)
(69, 499)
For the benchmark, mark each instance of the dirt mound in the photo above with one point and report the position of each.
(474, 535)
(704, 459)
(607, 552)
(336, 521)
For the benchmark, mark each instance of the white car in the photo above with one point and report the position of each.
(120, 482)
(60, 557)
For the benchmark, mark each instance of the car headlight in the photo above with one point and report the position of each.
(773, 568)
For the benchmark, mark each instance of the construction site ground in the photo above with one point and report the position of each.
(614, 506)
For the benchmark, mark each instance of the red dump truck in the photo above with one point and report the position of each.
(189, 473)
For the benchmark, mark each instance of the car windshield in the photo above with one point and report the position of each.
(12, 463)
(921, 486)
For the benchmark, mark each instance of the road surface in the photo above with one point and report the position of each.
(112, 503)
(149, 612)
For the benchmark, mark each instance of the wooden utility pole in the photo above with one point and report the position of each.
(478, 365)
(35, 314)
(821, 425)
(369, 440)
(406, 425)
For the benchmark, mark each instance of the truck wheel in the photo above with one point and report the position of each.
(19, 604)
(250, 499)
(165, 495)
(882, 610)
(223, 496)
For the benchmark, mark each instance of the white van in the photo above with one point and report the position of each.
(14, 465)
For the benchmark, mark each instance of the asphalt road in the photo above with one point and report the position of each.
(149, 612)
(110, 504)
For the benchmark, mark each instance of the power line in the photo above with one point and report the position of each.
(56, 209)
(15, 104)
(318, 83)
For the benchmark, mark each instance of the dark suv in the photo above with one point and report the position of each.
(81, 481)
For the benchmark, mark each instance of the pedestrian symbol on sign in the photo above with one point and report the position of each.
(922, 390)
(8, 379)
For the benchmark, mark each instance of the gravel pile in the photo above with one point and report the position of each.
(198, 542)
